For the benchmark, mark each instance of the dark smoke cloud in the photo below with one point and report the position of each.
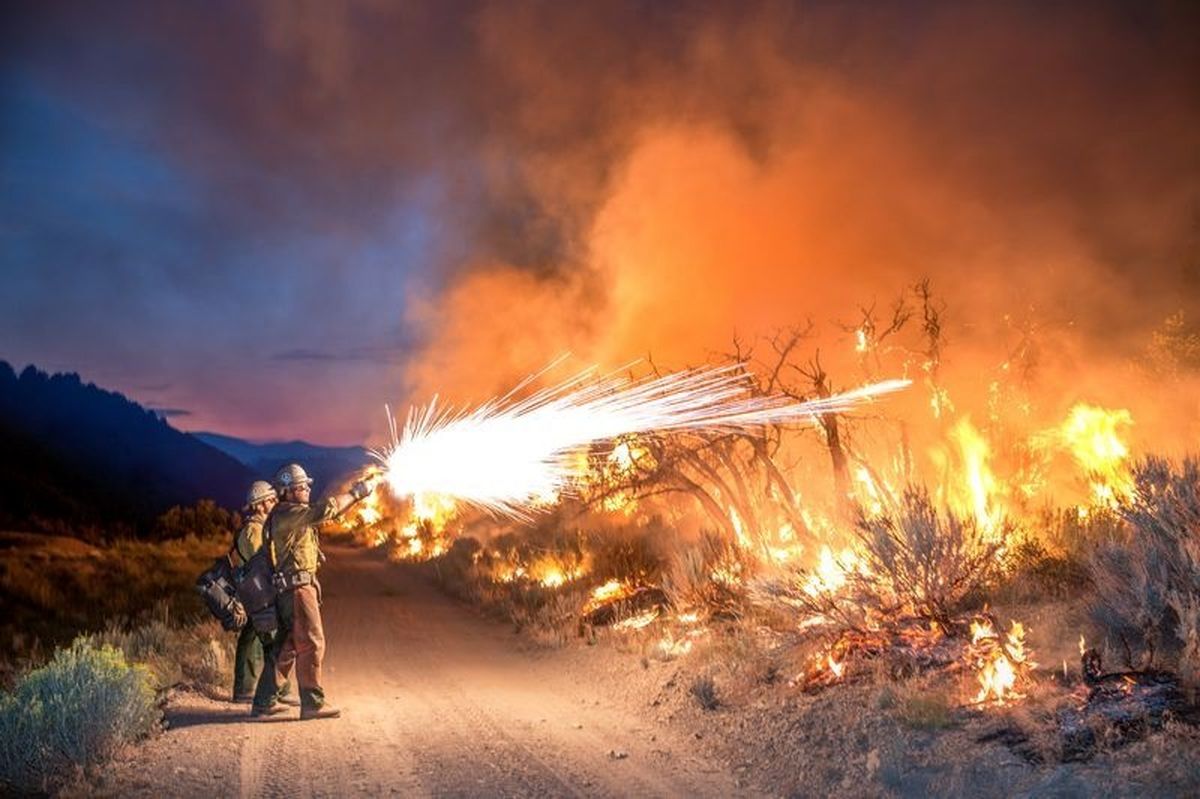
(1031, 158)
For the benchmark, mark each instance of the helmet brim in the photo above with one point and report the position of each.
(299, 484)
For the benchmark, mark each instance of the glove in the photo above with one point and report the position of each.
(362, 489)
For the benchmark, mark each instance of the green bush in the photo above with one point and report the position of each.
(72, 714)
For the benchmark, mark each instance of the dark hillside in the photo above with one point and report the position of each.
(328, 466)
(73, 454)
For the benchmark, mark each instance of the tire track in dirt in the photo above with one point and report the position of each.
(436, 702)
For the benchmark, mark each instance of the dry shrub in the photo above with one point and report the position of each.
(704, 689)
(923, 561)
(72, 714)
(712, 576)
(198, 656)
(1076, 537)
(926, 710)
(638, 553)
(1147, 593)
(1032, 571)
(455, 570)
(549, 615)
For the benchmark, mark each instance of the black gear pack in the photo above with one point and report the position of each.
(256, 590)
(218, 588)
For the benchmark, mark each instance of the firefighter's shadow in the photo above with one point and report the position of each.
(181, 719)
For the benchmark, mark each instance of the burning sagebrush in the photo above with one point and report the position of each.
(909, 561)
(922, 561)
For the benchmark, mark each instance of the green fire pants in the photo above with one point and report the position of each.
(247, 662)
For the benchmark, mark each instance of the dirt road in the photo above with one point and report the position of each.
(436, 701)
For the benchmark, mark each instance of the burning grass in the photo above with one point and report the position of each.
(728, 552)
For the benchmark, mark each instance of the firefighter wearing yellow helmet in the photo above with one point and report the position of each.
(291, 534)
(248, 657)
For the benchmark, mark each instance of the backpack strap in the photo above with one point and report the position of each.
(268, 540)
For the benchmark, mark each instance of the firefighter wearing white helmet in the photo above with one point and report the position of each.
(248, 657)
(291, 533)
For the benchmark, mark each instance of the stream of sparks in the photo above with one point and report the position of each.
(510, 455)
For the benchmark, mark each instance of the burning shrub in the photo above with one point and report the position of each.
(72, 713)
(639, 553)
(1000, 664)
(923, 561)
(710, 576)
(910, 561)
(1148, 585)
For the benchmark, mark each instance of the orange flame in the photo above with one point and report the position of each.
(1092, 435)
(1000, 666)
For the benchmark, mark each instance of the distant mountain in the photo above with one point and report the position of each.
(327, 466)
(72, 453)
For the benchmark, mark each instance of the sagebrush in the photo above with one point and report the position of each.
(72, 714)
(1147, 596)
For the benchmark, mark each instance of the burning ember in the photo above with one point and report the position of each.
(550, 570)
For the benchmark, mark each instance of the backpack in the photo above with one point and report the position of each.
(256, 591)
(218, 588)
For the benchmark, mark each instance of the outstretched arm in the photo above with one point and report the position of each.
(339, 503)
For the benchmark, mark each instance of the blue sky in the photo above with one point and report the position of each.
(131, 267)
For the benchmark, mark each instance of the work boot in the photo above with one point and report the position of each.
(322, 712)
(284, 695)
(262, 712)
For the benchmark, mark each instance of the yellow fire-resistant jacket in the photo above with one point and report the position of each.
(292, 529)
(250, 537)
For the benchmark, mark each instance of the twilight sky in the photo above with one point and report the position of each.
(268, 218)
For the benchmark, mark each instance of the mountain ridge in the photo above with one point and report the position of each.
(75, 454)
(328, 466)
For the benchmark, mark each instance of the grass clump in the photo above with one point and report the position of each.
(197, 656)
(704, 689)
(72, 714)
(929, 710)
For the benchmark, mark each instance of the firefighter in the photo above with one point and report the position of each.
(290, 532)
(248, 660)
